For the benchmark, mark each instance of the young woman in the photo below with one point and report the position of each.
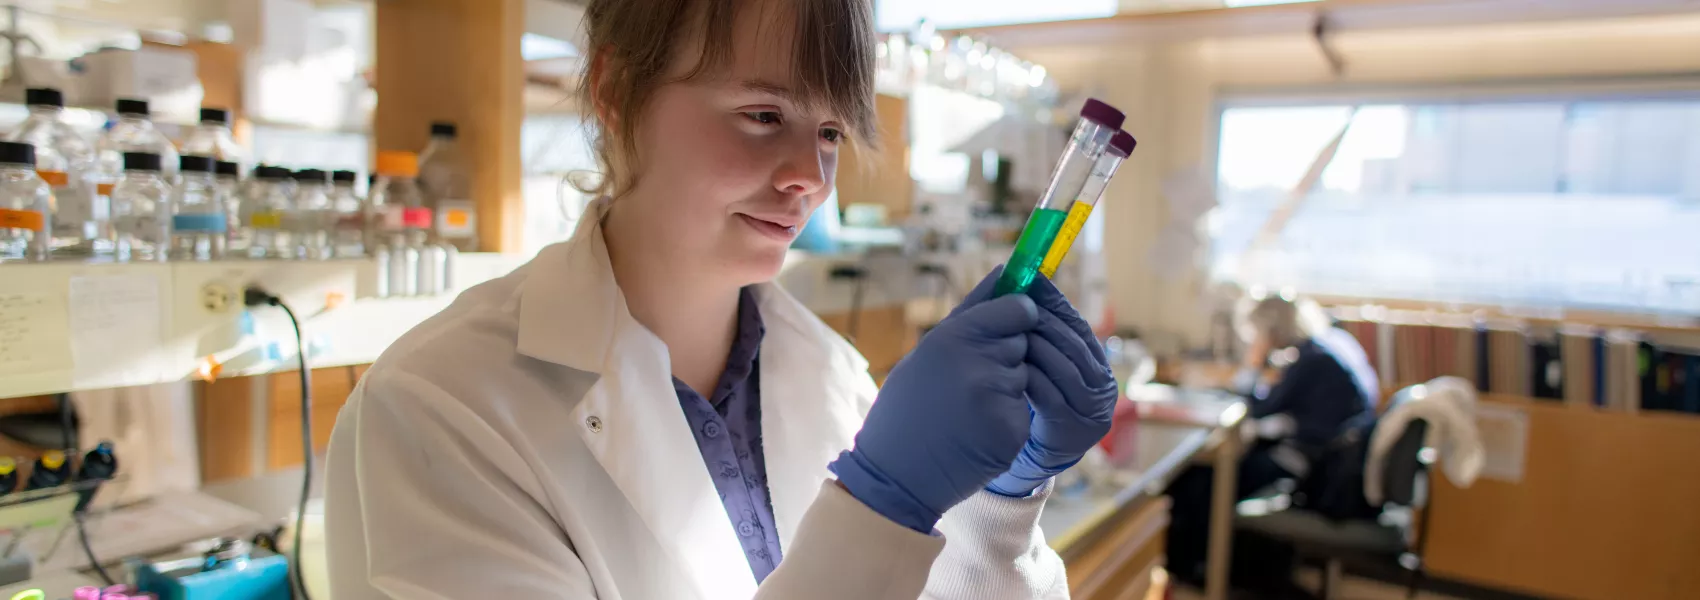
(638, 414)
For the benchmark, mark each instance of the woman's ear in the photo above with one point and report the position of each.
(602, 90)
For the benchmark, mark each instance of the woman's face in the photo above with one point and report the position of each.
(732, 163)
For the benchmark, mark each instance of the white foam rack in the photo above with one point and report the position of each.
(68, 326)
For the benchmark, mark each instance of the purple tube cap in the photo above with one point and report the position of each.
(1122, 143)
(1102, 114)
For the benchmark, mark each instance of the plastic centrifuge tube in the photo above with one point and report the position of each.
(1121, 145)
(1098, 122)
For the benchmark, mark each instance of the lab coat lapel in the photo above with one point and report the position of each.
(630, 419)
(814, 393)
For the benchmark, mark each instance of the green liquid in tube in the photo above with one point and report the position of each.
(1030, 250)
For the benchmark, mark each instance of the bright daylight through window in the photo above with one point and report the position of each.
(1579, 204)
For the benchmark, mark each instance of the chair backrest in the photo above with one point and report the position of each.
(1403, 465)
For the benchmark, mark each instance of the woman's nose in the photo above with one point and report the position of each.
(802, 170)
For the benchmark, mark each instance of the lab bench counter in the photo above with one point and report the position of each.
(1110, 534)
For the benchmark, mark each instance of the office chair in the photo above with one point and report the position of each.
(1367, 541)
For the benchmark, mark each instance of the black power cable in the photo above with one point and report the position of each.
(68, 439)
(254, 296)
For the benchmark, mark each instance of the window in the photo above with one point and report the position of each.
(1585, 203)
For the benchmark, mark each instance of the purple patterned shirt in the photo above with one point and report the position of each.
(727, 427)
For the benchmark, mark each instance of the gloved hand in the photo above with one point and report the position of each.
(951, 416)
(1073, 398)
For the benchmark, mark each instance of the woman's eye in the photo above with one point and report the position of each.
(765, 117)
(832, 135)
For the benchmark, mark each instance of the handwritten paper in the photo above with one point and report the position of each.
(116, 327)
(32, 332)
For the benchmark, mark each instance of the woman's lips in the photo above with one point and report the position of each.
(784, 233)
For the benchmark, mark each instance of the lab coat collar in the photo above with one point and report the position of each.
(572, 313)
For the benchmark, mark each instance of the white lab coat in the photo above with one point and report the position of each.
(527, 443)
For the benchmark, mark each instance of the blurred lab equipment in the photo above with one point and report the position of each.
(198, 218)
(25, 205)
(445, 179)
(141, 209)
(81, 225)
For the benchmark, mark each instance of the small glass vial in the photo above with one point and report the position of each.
(227, 178)
(82, 226)
(141, 206)
(397, 221)
(264, 210)
(212, 137)
(26, 205)
(310, 222)
(349, 232)
(198, 220)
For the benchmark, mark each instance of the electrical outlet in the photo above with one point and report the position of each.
(218, 297)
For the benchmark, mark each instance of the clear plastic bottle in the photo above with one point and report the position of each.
(312, 219)
(141, 209)
(198, 219)
(445, 176)
(25, 205)
(227, 177)
(348, 236)
(212, 137)
(133, 131)
(82, 225)
(397, 222)
(264, 211)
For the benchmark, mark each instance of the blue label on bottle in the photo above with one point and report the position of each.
(213, 223)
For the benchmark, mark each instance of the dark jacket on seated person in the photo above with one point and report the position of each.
(1327, 385)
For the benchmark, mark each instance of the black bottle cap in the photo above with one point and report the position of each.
(343, 176)
(131, 106)
(44, 97)
(310, 176)
(17, 153)
(443, 128)
(225, 167)
(141, 161)
(271, 173)
(190, 162)
(215, 115)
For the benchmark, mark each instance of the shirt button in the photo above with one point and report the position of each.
(594, 423)
(746, 529)
(711, 429)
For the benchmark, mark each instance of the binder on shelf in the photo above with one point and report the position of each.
(1546, 365)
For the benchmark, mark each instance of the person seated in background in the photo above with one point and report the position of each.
(1325, 381)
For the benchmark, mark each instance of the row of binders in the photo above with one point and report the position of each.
(1616, 370)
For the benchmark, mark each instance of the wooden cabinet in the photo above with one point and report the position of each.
(1120, 561)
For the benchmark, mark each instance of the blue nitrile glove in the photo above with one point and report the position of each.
(1073, 398)
(950, 417)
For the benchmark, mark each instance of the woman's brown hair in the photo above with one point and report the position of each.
(633, 44)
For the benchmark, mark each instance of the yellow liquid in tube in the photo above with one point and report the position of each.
(1077, 216)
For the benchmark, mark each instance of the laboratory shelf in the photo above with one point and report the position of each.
(68, 326)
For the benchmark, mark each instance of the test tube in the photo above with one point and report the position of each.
(1121, 145)
(1098, 122)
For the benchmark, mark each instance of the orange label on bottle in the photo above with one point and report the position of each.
(21, 219)
(457, 218)
(54, 178)
(104, 189)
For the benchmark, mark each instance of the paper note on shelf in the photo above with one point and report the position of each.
(116, 327)
(32, 333)
(1505, 441)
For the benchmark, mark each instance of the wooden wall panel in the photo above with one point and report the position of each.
(331, 387)
(883, 335)
(458, 60)
(881, 177)
(1608, 508)
(224, 418)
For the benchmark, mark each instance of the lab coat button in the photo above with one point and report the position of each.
(594, 423)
